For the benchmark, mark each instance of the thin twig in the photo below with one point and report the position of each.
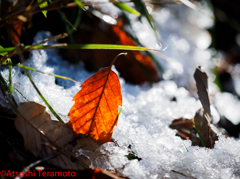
(14, 52)
(33, 69)
(181, 174)
(57, 37)
(162, 2)
(70, 5)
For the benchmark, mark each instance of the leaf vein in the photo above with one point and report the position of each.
(92, 91)
(83, 115)
(83, 124)
(111, 88)
(86, 103)
(100, 99)
(98, 79)
(108, 105)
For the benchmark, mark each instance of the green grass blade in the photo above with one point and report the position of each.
(21, 94)
(80, 4)
(44, 100)
(217, 79)
(19, 50)
(103, 46)
(10, 76)
(119, 112)
(2, 53)
(45, 4)
(185, 147)
(140, 6)
(18, 91)
(200, 137)
(71, 30)
(82, 46)
(160, 68)
(125, 7)
(65, 19)
(33, 69)
(7, 95)
(76, 24)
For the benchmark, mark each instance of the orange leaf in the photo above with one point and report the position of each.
(14, 32)
(96, 106)
(125, 39)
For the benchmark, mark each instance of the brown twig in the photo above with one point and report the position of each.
(57, 37)
(182, 174)
(69, 5)
(14, 52)
(162, 2)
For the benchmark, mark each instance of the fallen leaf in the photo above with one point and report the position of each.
(202, 126)
(15, 23)
(131, 67)
(44, 138)
(143, 59)
(202, 86)
(95, 111)
(14, 31)
(183, 126)
(202, 118)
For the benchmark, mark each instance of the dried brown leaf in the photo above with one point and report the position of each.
(202, 119)
(203, 126)
(202, 86)
(183, 127)
(44, 137)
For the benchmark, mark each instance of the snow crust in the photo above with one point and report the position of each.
(147, 112)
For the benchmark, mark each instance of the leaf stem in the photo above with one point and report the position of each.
(124, 53)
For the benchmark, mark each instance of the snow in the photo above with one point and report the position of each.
(230, 111)
(147, 112)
